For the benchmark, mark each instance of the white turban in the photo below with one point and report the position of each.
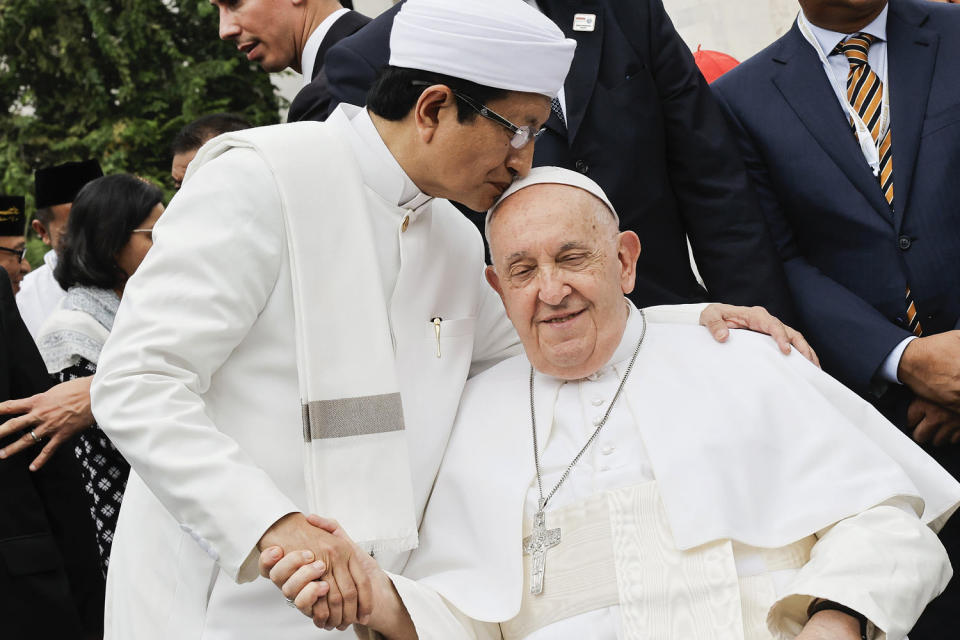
(504, 44)
(552, 175)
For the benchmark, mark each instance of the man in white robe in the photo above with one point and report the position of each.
(730, 493)
(55, 189)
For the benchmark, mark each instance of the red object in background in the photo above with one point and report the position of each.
(713, 64)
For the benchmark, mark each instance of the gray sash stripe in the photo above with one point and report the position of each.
(352, 417)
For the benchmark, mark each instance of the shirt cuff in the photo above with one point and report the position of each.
(888, 370)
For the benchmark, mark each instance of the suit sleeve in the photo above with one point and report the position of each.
(214, 264)
(28, 375)
(883, 563)
(352, 64)
(852, 338)
(312, 102)
(734, 252)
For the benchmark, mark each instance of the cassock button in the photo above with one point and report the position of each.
(607, 450)
(406, 223)
(597, 401)
(597, 420)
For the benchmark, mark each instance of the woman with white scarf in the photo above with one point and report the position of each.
(109, 233)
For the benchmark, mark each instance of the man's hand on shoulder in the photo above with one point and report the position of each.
(720, 318)
(347, 597)
(930, 366)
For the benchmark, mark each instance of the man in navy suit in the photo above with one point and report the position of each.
(850, 129)
(295, 34)
(636, 116)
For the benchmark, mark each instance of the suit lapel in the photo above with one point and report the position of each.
(911, 55)
(582, 77)
(347, 24)
(800, 77)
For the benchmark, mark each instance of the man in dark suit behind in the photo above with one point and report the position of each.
(854, 243)
(50, 583)
(637, 117)
(295, 34)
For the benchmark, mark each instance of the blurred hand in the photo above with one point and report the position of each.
(930, 366)
(933, 424)
(718, 318)
(347, 592)
(56, 415)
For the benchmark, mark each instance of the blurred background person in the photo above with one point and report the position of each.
(294, 34)
(55, 188)
(13, 242)
(108, 235)
(195, 134)
(49, 578)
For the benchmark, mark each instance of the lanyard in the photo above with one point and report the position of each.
(868, 146)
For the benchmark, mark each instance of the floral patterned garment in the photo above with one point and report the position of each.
(104, 471)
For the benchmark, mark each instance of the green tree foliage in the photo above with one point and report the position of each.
(114, 80)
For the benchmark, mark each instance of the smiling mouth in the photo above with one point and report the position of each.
(563, 318)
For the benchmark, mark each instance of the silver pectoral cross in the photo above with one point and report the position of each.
(536, 544)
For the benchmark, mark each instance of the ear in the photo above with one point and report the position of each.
(628, 251)
(427, 111)
(41, 231)
(493, 280)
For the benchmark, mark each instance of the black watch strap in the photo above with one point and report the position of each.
(829, 605)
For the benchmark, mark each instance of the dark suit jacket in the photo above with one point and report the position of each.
(313, 101)
(643, 124)
(50, 579)
(847, 257)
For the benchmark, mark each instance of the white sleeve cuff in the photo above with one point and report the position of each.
(888, 370)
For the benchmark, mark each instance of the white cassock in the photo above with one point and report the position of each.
(729, 487)
(39, 294)
(197, 385)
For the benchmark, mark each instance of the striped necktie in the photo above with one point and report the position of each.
(865, 93)
(558, 110)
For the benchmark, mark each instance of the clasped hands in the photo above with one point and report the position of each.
(322, 572)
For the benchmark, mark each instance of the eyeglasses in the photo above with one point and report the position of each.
(521, 135)
(149, 233)
(20, 253)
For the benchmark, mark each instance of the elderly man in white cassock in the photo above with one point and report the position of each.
(630, 479)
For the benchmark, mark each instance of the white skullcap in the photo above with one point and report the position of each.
(504, 44)
(552, 175)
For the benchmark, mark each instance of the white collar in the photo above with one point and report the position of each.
(829, 39)
(381, 171)
(309, 56)
(50, 259)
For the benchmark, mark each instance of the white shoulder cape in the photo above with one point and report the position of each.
(746, 444)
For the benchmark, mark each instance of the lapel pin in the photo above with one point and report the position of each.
(584, 21)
